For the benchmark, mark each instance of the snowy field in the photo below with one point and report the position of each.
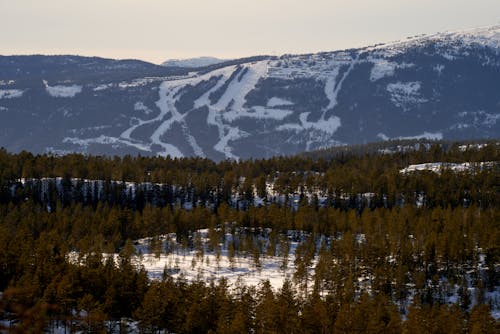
(194, 265)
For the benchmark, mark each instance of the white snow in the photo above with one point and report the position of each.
(102, 87)
(382, 136)
(450, 45)
(384, 68)
(229, 134)
(425, 135)
(437, 167)
(10, 93)
(192, 264)
(62, 91)
(166, 106)
(278, 102)
(135, 83)
(439, 68)
(191, 267)
(225, 73)
(103, 140)
(491, 119)
(333, 85)
(404, 94)
(90, 128)
(330, 91)
(256, 112)
(169, 115)
(237, 90)
(381, 69)
(328, 126)
(477, 118)
(466, 147)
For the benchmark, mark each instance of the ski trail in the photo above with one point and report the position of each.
(326, 127)
(235, 94)
(127, 133)
(166, 106)
(330, 89)
(330, 84)
(238, 89)
(233, 98)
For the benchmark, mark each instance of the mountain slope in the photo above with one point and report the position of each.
(443, 86)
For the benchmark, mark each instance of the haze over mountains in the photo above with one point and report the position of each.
(192, 62)
(444, 86)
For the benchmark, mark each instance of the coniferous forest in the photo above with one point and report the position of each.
(380, 249)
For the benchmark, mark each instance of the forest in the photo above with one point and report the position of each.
(378, 250)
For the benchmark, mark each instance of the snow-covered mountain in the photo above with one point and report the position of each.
(193, 62)
(443, 86)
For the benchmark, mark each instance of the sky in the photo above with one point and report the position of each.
(156, 30)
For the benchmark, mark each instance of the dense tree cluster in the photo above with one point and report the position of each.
(369, 258)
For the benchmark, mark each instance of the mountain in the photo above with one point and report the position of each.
(193, 62)
(442, 86)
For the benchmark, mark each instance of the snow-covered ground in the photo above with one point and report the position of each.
(438, 167)
(405, 94)
(192, 266)
(197, 262)
(10, 93)
(62, 91)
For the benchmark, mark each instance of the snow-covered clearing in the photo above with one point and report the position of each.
(278, 102)
(10, 93)
(62, 91)
(102, 140)
(425, 135)
(385, 68)
(438, 167)
(404, 94)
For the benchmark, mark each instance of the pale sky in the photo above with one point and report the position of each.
(156, 30)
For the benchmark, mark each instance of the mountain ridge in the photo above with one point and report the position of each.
(440, 86)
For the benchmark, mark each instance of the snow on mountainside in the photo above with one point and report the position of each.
(442, 86)
(193, 62)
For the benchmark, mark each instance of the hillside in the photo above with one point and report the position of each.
(442, 86)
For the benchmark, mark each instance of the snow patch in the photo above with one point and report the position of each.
(384, 68)
(425, 135)
(328, 126)
(257, 112)
(439, 68)
(11, 93)
(404, 94)
(105, 140)
(102, 87)
(381, 69)
(62, 91)
(277, 102)
(382, 136)
(437, 167)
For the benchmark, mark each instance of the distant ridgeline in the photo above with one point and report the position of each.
(424, 174)
(442, 86)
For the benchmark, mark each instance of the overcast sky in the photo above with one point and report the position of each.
(155, 30)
